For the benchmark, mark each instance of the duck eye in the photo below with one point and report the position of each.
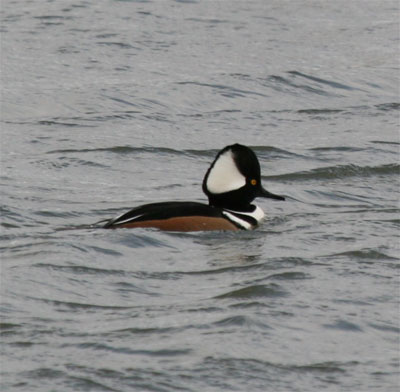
(253, 182)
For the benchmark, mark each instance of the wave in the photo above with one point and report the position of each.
(228, 91)
(119, 150)
(254, 291)
(297, 82)
(126, 149)
(339, 171)
(330, 83)
(365, 254)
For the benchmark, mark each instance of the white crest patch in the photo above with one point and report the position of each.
(225, 176)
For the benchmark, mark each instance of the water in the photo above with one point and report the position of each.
(110, 104)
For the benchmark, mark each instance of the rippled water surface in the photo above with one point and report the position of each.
(110, 104)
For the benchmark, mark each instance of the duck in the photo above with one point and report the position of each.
(231, 183)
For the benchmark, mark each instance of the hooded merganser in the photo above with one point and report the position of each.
(231, 183)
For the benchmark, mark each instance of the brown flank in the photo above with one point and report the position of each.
(183, 223)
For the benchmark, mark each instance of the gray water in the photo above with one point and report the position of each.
(110, 104)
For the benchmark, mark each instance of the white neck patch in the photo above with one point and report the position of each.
(257, 214)
(225, 176)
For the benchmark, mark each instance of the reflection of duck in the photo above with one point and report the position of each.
(231, 183)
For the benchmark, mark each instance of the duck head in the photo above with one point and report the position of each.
(233, 180)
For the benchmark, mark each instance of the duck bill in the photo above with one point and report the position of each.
(264, 193)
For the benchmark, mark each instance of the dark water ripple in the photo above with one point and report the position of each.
(340, 172)
(254, 291)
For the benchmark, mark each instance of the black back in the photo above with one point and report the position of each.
(165, 210)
